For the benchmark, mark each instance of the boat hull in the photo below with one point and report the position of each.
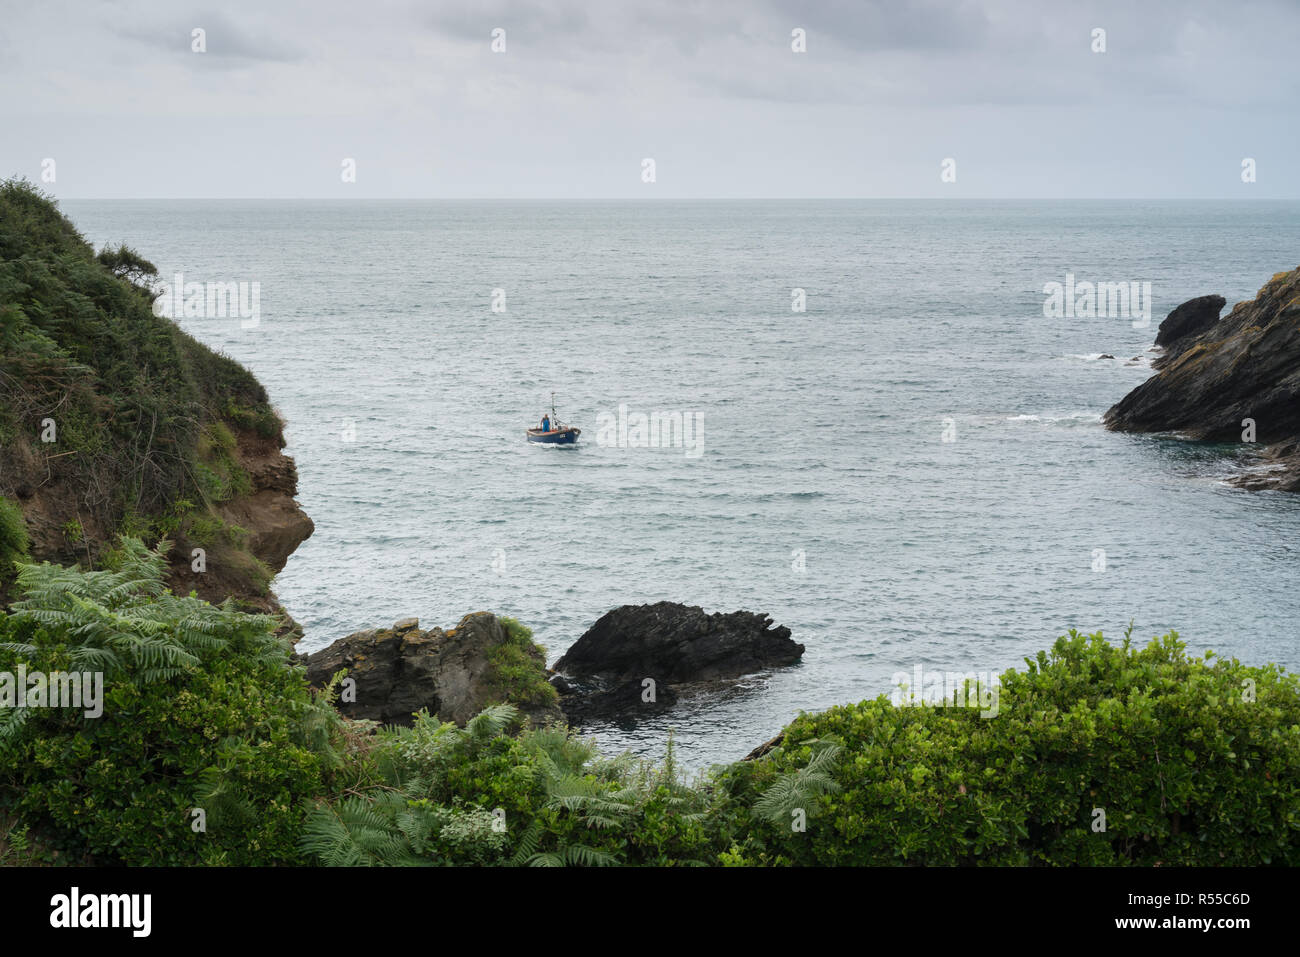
(554, 436)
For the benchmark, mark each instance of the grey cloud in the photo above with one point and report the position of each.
(226, 39)
(888, 24)
(536, 24)
(588, 87)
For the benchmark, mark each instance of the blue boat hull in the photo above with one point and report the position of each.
(555, 436)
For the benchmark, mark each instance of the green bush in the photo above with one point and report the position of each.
(201, 710)
(1192, 761)
(480, 796)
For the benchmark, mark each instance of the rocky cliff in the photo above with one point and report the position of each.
(114, 421)
(1230, 379)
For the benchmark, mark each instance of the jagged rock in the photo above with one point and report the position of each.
(275, 524)
(671, 642)
(1279, 468)
(1190, 319)
(402, 669)
(666, 643)
(1244, 366)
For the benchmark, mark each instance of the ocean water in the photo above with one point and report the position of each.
(823, 492)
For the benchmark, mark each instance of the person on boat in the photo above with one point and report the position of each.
(546, 423)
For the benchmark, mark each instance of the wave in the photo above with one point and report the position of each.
(1071, 417)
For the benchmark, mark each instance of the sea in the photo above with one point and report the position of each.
(895, 443)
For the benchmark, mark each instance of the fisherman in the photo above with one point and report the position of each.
(546, 423)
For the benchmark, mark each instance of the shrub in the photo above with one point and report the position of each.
(1193, 761)
(476, 795)
(201, 710)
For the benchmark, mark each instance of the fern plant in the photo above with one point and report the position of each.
(800, 789)
(420, 809)
(124, 620)
(201, 711)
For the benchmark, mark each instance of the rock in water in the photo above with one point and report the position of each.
(1190, 319)
(455, 674)
(672, 642)
(1245, 366)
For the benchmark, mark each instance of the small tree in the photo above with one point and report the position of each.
(125, 263)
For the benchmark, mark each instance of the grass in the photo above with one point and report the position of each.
(516, 676)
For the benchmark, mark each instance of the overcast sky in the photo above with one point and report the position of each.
(712, 92)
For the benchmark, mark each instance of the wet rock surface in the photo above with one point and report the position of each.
(1237, 374)
(629, 661)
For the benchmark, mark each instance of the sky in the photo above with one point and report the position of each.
(1013, 92)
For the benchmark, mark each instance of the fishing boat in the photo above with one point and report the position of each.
(552, 432)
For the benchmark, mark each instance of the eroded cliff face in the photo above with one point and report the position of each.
(1230, 380)
(270, 515)
(270, 523)
(114, 421)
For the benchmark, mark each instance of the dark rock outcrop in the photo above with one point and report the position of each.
(667, 643)
(399, 670)
(1190, 319)
(672, 642)
(765, 748)
(1245, 366)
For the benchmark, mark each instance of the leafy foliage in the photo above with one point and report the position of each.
(201, 711)
(516, 674)
(477, 795)
(1192, 761)
(125, 263)
(799, 790)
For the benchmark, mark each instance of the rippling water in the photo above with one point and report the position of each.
(823, 431)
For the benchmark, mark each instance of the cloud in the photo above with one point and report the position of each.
(228, 41)
(588, 88)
